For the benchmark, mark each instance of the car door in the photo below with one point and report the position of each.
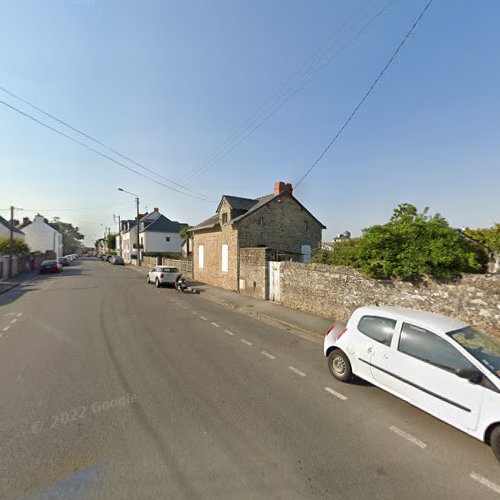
(423, 367)
(373, 343)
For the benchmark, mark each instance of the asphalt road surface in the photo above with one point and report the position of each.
(111, 388)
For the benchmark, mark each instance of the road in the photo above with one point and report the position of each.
(111, 388)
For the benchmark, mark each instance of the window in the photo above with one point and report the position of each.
(426, 346)
(377, 328)
(225, 258)
(224, 218)
(261, 221)
(201, 256)
(167, 238)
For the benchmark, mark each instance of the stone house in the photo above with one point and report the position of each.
(277, 225)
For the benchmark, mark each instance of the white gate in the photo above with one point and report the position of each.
(274, 281)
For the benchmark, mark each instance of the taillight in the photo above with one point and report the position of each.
(342, 333)
(162, 275)
(330, 329)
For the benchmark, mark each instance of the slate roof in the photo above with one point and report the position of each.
(208, 223)
(6, 223)
(162, 225)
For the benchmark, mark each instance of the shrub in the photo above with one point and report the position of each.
(19, 247)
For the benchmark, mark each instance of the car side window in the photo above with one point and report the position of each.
(377, 328)
(427, 346)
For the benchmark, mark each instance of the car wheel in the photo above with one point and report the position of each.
(157, 283)
(495, 441)
(339, 365)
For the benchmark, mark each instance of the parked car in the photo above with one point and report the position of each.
(438, 364)
(108, 257)
(64, 261)
(102, 256)
(50, 266)
(117, 261)
(162, 275)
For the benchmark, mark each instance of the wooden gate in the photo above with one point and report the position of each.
(274, 281)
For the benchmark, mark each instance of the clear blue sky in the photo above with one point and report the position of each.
(166, 82)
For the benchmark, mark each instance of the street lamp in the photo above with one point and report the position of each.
(137, 207)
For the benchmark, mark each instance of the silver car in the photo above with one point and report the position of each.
(162, 275)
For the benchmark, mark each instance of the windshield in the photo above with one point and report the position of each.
(485, 349)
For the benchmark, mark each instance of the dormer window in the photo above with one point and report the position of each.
(224, 218)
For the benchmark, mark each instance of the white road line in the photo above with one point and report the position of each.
(335, 393)
(203, 318)
(194, 312)
(215, 324)
(297, 371)
(407, 436)
(9, 314)
(246, 342)
(229, 332)
(267, 355)
(485, 482)
(19, 315)
(5, 328)
(13, 320)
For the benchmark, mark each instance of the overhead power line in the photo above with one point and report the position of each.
(97, 141)
(100, 153)
(287, 91)
(365, 96)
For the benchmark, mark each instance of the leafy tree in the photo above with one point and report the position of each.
(412, 245)
(184, 232)
(72, 237)
(111, 241)
(488, 237)
(19, 247)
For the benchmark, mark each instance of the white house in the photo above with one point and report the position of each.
(157, 233)
(5, 231)
(127, 240)
(41, 236)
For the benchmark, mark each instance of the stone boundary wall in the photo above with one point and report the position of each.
(337, 291)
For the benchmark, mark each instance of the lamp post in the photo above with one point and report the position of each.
(137, 228)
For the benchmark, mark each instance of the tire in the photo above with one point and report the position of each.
(495, 441)
(157, 283)
(339, 365)
(147, 279)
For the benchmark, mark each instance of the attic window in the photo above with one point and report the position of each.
(224, 218)
(261, 221)
(167, 238)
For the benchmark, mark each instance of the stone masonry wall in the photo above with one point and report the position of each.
(337, 291)
(253, 272)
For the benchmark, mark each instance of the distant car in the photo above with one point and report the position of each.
(107, 257)
(162, 275)
(117, 261)
(70, 258)
(438, 364)
(50, 266)
(64, 261)
(102, 256)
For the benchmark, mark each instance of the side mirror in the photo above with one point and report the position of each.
(472, 375)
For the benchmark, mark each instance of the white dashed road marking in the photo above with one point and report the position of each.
(407, 436)
(6, 328)
(13, 320)
(203, 318)
(19, 315)
(297, 371)
(246, 342)
(229, 332)
(215, 324)
(335, 393)
(194, 312)
(485, 482)
(268, 355)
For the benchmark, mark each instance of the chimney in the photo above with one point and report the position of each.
(155, 209)
(26, 220)
(283, 187)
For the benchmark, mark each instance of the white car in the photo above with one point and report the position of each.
(438, 364)
(162, 275)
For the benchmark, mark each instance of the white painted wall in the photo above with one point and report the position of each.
(5, 233)
(156, 241)
(127, 244)
(42, 237)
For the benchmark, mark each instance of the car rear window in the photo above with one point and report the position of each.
(377, 328)
(168, 269)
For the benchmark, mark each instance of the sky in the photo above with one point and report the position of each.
(230, 96)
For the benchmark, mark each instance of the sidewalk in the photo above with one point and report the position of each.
(9, 284)
(302, 324)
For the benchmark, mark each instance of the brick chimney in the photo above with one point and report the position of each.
(26, 220)
(155, 209)
(282, 187)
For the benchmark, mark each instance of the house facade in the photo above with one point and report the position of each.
(277, 221)
(128, 240)
(40, 235)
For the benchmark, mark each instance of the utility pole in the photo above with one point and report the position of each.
(11, 240)
(119, 231)
(138, 244)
